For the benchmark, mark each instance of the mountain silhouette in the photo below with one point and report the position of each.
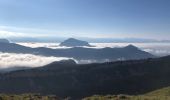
(4, 41)
(59, 64)
(14, 48)
(71, 42)
(81, 54)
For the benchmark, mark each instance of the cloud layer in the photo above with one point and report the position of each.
(10, 60)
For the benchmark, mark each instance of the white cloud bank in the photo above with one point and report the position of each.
(10, 60)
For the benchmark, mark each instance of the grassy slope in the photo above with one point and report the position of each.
(161, 94)
(28, 97)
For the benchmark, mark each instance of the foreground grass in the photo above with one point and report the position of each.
(126, 97)
(95, 97)
(161, 94)
(28, 97)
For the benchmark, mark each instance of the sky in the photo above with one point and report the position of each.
(85, 18)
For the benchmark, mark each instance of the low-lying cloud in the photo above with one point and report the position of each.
(10, 60)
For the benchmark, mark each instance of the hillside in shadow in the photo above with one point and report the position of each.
(71, 79)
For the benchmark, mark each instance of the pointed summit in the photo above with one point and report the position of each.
(132, 47)
(71, 42)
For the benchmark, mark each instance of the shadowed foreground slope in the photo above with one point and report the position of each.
(127, 77)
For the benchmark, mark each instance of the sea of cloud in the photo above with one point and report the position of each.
(9, 60)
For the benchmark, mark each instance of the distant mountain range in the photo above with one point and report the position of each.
(71, 42)
(70, 79)
(81, 54)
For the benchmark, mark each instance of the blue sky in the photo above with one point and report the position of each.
(85, 18)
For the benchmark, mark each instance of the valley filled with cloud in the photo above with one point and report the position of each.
(10, 60)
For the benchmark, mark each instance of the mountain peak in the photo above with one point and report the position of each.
(72, 42)
(60, 64)
(131, 47)
(72, 39)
